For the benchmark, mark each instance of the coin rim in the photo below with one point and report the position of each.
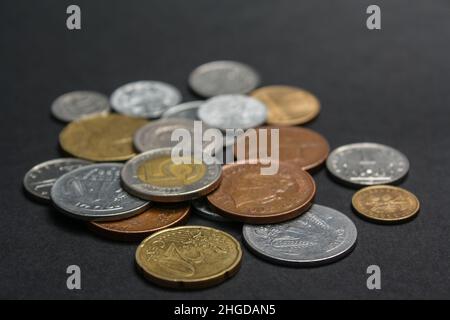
(188, 105)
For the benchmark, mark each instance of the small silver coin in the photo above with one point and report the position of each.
(94, 193)
(77, 104)
(187, 110)
(223, 77)
(205, 210)
(364, 164)
(319, 236)
(233, 111)
(38, 181)
(145, 99)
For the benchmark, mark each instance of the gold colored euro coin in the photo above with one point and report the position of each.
(101, 138)
(189, 257)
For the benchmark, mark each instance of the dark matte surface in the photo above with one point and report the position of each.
(390, 86)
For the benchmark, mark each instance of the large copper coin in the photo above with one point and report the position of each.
(247, 195)
(138, 227)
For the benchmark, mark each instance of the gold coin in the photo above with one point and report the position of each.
(101, 138)
(288, 105)
(385, 203)
(189, 257)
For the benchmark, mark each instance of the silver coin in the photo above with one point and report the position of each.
(94, 193)
(223, 77)
(205, 210)
(145, 99)
(77, 104)
(187, 110)
(38, 181)
(183, 185)
(232, 111)
(319, 236)
(367, 164)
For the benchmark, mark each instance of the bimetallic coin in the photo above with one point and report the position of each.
(38, 181)
(154, 175)
(232, 111)
(367, 163)
(101, 138)
(223, 77)
(321, 235)
(205, 210)
(189, 257)
(77, 104)
(385, 204)
(94, 193)
(187, 110)
(145, 99)
(288, 105)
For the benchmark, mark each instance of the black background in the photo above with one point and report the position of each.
(390, 86)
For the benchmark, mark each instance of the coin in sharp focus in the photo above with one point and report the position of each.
(232, 111)
(223, 77)
(187, 110)
(154, 219)
(288, 105)
(362, 164)
(153, 175)
(101, 138)
(145, 99)
(38, 181)
(189, 257)
(94, 192)
(77, 104)
(248, 196)
(321, 235)
(299, 146)
(205, 210)
(386, 204)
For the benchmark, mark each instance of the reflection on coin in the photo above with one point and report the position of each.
(321, 235)
(156, 218)
(367, 164)
(189, 257)
(94, 193)
(288, 105)
(153, 175)
(248, 196)
(385, 203)
(187, 110)
(77, 104)
(205, 210)
(101, 138)
(232, 111)
(223, 77)
(145, 99)
(40, 179)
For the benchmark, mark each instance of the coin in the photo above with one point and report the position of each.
(205, 210)
(187, 110)
(153, 175)
(248, 196)
(156, 218)
(77, 104)
(101, 138)
(321, 235)
(287, 105)
(232, 111)
(145, 99)
(189, 257)
(223, 77)
(94, 193)
(299, 146)
(367, 164)
(39, 180)
(385, 203)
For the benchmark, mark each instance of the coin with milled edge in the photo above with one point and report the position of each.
(189, 257)
(321, 235)
(187, 110)
(93, 192)
(366, 163)
(38, 181)
(77, 104)
(386, 204)
(145, 99)
(223, 77)
(205, 210)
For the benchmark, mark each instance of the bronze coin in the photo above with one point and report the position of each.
(248, 196)
(138, 227)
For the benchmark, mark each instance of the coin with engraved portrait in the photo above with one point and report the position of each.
(77, 104)
(187, 110)
(205, 210)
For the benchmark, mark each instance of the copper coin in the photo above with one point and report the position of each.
(248, 196)
(299, 146)
(138, 227)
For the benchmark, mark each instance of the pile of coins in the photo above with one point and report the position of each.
(150, 196)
